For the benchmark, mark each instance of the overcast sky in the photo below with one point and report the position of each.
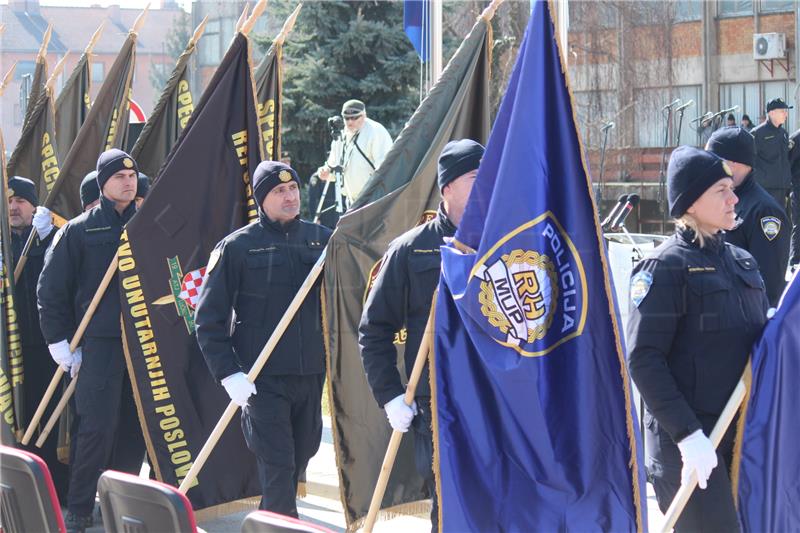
(139, 4)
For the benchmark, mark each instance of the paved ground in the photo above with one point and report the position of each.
(322, 505)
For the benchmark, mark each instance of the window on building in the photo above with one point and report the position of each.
(651, 118)
(773, 6)
(688, 132)
(686, 10)
(593, 109)
(735, 8)
(98, 72)
(211, 44)
(24, 68)
(592, 15)
(752, 98)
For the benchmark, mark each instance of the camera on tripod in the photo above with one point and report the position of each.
(336, 125)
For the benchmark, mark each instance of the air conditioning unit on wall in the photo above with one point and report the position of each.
(769, 46)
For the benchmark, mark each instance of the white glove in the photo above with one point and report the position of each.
(771, 312)
(699, 456)
(77, 359)
(238, 388)
(43, 221)
(400, 414)
(61, 354)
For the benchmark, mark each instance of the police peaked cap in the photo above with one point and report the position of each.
(23, 188)
(733, 144)
(690, 173)
(777, 103)
(142, 186)
(90, 191)
(458, 158)
(270, 174)
(112, 161)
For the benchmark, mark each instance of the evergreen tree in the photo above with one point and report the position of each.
(340, 50)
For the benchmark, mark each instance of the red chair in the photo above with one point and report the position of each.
(267, 522)
(27, 495)
(131, 504)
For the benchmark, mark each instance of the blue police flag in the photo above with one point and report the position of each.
(766, 461)
(534, 428)
(417, 25)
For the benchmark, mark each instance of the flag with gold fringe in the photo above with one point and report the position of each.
(534, 428)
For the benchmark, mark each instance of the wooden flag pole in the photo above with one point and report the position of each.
(490, 10)
(73, 345)
(7, 78)
(51, 81)
(42, 55)
(288, 25)
(139, 22)
(397, 436)
(198, 32)
(685, 492)
(262, 359)
(242, 18)
(258, 9)
(95, 38)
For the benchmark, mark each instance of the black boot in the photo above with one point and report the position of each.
(77, 523)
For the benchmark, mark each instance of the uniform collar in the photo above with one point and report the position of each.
(289, 227)
(746, 185)
(447, 225)
(714, 244)
(110, 209)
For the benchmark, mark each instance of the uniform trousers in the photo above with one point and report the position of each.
(282, 425)
(794, 247)
(708, 510)
(106, 419)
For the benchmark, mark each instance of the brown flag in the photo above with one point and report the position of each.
(457, 107)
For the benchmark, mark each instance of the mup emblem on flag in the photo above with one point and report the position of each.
(531, 288)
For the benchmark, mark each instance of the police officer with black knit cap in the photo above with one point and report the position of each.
(761, 225)
(256, 272)
(401, 298)
(25, 217)
(90, 191)
(74, 265)
(142, 188)
(697, 305)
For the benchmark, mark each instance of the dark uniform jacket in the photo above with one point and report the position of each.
(794, 157)
(25, 288)
(401, 297)
(74, 265)
(256, 271)
(772, 156)
(763, 230)
(695, 313)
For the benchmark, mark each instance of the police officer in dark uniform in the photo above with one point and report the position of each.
(74, 265)
(401, 298)
(761, 224)
(90, 192)
(772, 151)
(25, 217)
(697, 306)
(256, 271)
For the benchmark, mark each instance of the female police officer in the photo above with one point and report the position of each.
(697, 305)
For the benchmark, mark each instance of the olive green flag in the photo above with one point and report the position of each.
(11, 368)
(72, 106)
(35, 157)
(169, 117)
(105, 127)
(269, 81)
(457, 107)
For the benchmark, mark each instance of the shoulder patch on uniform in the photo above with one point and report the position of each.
(640, 286)
(57, 238)
(213, 259)
(771, 226)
